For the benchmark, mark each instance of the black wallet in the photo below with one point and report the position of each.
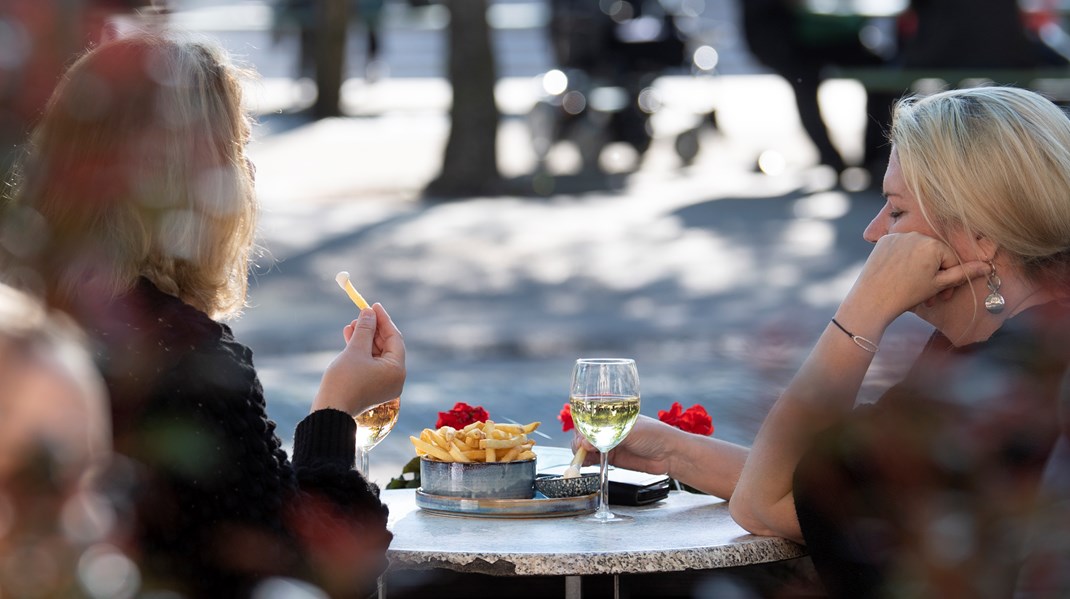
(628, 487)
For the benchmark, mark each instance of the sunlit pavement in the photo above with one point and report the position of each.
(715, 276)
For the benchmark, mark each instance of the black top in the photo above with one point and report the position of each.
(933, 490)
(218, 505)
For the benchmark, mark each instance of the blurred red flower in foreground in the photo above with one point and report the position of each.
(566, 418)
(693, 420)
(461, 416)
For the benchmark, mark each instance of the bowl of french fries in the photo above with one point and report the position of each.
(484, 460)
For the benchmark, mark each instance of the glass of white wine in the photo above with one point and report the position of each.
(604, 397)
(373, 425)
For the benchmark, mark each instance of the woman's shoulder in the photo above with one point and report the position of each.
(177, 325)
(152, 328)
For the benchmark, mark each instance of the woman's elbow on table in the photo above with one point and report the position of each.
(766, 518)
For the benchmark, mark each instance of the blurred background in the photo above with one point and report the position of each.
(525, 182)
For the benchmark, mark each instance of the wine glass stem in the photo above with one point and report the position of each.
(362, 462)
(603, 495)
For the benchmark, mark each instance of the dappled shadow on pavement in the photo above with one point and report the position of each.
(719, 298)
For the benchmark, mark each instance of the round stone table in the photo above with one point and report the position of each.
(684, 531)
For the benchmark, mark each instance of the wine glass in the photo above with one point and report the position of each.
(373, 425)
(605, 404)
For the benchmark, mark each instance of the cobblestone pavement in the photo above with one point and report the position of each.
(716, 277)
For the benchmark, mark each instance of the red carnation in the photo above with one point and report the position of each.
(461, 416)
(566, 418)
(693, 420)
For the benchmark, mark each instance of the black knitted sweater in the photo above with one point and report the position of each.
(218, 508)
(964, 439)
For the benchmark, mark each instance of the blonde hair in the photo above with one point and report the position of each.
(138, 168)
(996, 161)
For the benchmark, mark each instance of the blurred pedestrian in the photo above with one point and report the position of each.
(55, 438)
(142, 199)
(370, 13)
(799, 45)
(938, 489)
(967, 34)
(300, 16)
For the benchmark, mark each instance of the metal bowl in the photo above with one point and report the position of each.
(552, 485)
(478, 480)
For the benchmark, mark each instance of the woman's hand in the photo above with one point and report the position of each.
(648, 448)
(371, 368)
(905, 270)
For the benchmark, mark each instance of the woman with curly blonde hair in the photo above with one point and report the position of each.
(135, 212)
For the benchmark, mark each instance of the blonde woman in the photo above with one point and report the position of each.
(934, 490)
(138, 210)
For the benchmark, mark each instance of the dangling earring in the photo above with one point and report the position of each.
(994, 302)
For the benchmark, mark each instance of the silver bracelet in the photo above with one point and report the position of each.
(859, 340)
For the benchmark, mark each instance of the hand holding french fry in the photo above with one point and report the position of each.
(370, 369)
(478, 442)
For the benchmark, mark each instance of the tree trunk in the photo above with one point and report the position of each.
(333, 19)
(469, 165)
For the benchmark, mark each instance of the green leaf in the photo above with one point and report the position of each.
(409, 477)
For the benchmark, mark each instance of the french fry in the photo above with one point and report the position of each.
(501, 443)
(458, 455)
(490, 453)
(511, 454)
(527, 455)
(343, 281)
(432, 450)
(440, 440)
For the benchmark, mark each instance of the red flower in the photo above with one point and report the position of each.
(566, 418)
(693, 420)
(461, 416)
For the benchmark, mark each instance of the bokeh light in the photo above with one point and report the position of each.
(772, 163)
(705, 58)
(555, 82)
(106, 573)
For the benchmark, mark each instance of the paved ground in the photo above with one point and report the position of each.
(717, 278)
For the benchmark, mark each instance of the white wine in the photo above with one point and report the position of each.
(376, 422)
(604, 419)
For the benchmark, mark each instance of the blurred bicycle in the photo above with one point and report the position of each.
(608, 56)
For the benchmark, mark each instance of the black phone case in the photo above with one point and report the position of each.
(627, 487)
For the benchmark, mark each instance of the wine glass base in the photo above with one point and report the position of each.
(609, 518)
